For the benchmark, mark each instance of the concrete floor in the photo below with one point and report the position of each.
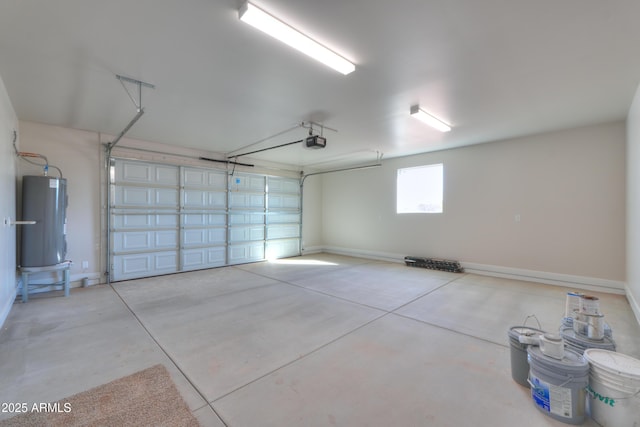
(318, 340)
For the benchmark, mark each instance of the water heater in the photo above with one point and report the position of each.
(44, 200)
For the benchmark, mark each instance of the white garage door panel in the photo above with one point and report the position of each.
(240, 234)
(243, 182)
(127, 171)
(131, 241)
(237, 218)
(194, 237)
(193, 177)
(137, 241)
(138, 197)
(283, 231)
(216, 236)
(247, 252)
(204, 237)
(283, 185)
(144, 265)
(166, 175)
(284, 201)
(201, 199)
(203, 220)
(246, 201)
(283, 218)
(193, 259)
(165, 239)
(166, 197)
(134, 172)
(283, 248)
(134, 196)
(139, 220)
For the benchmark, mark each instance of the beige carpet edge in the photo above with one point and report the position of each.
(145, 398)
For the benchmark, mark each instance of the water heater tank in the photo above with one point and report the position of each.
(44, 200)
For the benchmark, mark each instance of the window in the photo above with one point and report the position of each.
(419, 189)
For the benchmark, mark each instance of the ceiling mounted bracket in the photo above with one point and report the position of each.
(138, 83)
(138, 104)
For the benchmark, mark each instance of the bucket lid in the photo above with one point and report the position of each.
(611, 361)
(571, 362)
(516, 331)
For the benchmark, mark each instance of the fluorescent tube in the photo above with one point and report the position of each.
(429, 119)
(277, 29)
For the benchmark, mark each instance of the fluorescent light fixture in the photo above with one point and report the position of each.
(277, 29)
(429, 119)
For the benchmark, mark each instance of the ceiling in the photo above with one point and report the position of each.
(493, 69)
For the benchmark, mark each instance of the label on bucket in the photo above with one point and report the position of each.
(551, 398)
(597, 396)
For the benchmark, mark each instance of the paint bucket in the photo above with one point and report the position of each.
(589, 304)
(519, 363)
(614, 388)
(572, 303)
(579, 343)
(590, 325)
(595, 326)
(568, 322)
(558, 387)
(580, 323)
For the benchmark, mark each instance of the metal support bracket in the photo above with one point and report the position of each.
(138, 83)
(138, 104)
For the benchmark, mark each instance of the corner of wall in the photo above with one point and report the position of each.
(632, 287)
(8, 131)
(634, 303)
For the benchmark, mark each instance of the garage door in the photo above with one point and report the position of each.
(166, 219)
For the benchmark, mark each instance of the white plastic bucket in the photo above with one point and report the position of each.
(614, 388)
(558, 387)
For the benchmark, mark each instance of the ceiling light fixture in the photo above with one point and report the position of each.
(277, 29)
(429, 119)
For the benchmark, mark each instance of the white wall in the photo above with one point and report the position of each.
(568, 188)
(633, 205)
(8, 123)
(312, 214)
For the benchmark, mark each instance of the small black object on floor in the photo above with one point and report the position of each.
(434, 264)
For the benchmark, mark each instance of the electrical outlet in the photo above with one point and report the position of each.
(85, 264)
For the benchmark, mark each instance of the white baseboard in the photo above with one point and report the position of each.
(557, 279)
(312, 250)
(634, 303)
(75, 280)
(359, 253)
